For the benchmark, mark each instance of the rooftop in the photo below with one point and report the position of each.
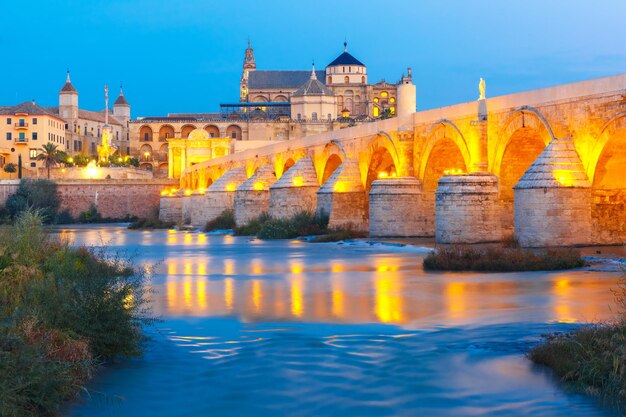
(280, 79)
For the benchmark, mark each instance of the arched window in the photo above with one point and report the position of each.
(363, 79)
(346, 79)
(299, 116)
(329, 80)
(314, 116)
(329, 116)
(384, 94)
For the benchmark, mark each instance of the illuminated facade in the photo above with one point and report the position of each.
(546, 166)
(274, 105)
(24, 129)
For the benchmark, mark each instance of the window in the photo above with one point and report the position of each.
(384, 94)
(346, 79)
(117, 135)
(329, 80)
(363, 79)
(22, 122)
(22, 137)
(233, 135)
(212, 135)
(33, 164)
(392, 110)
(98, 132)
(375, 99)
(34, 135)
(67, 126)
(349, 69)
(314, 116)
(8, 135)
(33, 153)
(392, 100)
(146, 136)
(329, 116)
(34, 120)
(8, 120)
(299, 117)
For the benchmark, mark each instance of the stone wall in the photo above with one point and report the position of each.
(467, 209)
(553, 216)
(113, 198)
(170, 209)
(7, 188)
(608, 215)
(395, 208)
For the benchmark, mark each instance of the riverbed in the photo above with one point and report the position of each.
(256, 328)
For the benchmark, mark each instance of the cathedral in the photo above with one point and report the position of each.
(345, 78)
(273, 105)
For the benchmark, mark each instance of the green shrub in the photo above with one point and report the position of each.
(63, 310)
(253, 227)
(151, 223)
(502, 259)
(90, 216)
(302, 224)
(225, 221)
(38, 194)
(337, 235)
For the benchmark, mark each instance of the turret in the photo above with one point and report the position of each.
(68, 101)
(346, 69)
(121, 108)
(407, 101)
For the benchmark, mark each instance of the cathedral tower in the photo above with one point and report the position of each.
(68, 102)
(248, 65)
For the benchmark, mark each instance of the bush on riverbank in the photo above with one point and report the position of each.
(253, 227)
(301, 224)
(63, 310)
(151, 223)
(225, 221)
(502, 259)
(591, 359)
(37, 194)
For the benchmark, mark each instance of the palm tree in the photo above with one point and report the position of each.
(50, 155)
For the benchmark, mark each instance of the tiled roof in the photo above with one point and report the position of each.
(121, 100)
(97, 116)
(68, 87)
(345, 59)
(557, 166)
(312, 87)
(280, 79)
(27, 107)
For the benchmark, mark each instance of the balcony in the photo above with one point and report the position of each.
(21, 125)
(21, 140)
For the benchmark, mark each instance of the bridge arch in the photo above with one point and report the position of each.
(611, 133)
(445, 149)
(328, 160)
(381, 158)
(523, 136)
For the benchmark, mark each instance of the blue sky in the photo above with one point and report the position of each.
(186, 56)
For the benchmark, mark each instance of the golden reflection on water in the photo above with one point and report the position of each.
(384, 292)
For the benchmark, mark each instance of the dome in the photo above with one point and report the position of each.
(198, 134)
(345, 58)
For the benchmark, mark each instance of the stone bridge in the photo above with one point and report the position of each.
(548, 166)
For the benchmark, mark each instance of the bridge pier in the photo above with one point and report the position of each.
(171, 208)
(219, 196)
(396, 208)
(343, 198)
(466, 209)
(252, 198)
(553, 199)
(295, 191)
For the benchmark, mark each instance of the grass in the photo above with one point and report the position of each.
(337, 235)
(63, 311)
(253, 227)
(225, 221)
(591, 359)
(504, 258)
(151, 223)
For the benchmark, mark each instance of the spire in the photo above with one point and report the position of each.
(313, 75)
(345, 45)
(68, 87)
(121, 100)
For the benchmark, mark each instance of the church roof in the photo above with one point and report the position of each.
(68, 87)
(94, 116)
(345, 59)
(313, 87)
(121, 100)
(557, 166)
(280, 79)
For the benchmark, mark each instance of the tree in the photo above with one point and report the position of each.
(10, 169)
(50, 155)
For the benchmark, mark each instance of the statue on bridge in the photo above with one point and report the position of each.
(481, 89)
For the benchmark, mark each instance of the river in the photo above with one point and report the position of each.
(272, 328)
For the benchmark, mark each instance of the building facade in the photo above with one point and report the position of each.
(24, 129)
(274, 105)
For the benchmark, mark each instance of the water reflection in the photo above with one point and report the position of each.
(387, 292)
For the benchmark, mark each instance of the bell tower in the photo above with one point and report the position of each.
(248, 65)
